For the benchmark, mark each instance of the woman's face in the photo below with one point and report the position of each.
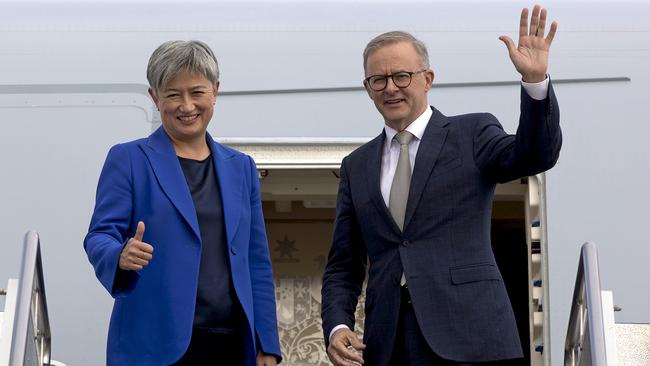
(186, 105)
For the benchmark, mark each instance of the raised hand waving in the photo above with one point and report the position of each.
(530, 56)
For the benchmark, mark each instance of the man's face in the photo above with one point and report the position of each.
(399, 106)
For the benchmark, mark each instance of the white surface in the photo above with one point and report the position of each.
(633, 343)
(6, 326)
(609, 327)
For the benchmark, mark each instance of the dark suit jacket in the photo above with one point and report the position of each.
(153, 313)
(458, 295)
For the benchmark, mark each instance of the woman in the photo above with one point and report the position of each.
(177, 236)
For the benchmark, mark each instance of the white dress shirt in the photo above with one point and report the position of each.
(390, 151)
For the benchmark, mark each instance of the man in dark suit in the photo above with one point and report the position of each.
(416, 202)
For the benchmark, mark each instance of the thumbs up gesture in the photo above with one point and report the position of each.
(136, 254)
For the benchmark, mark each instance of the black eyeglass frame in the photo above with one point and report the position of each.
(392, 76)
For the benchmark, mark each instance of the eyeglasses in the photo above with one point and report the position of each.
(401, 79)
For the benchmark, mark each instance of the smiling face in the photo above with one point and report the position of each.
(399, 106)
(186, 105)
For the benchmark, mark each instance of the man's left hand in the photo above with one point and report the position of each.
(265, 360)
(530, 57)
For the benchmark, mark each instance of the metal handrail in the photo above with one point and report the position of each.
(31, 319)
(585, 341)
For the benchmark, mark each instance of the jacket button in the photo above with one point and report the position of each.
(233, 251)
(405, 242)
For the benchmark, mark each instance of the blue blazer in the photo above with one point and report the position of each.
(457, 291)
(152, 317)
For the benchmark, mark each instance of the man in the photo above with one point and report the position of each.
(416, 202)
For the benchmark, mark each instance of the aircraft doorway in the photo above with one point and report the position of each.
(299, 210)
(299, 203)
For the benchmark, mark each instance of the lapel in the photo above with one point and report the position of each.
(230, 173)
(432, 141)
(375, 149)
(167, 169)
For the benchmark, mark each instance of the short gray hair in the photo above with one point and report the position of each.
(173, 57)
(389, 38)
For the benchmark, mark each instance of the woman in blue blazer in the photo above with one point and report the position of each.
(177, 236)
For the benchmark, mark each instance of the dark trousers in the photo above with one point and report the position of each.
(411, 349)
(213, 349)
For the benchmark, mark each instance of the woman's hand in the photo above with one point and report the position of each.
(265, 360)
(136, 254)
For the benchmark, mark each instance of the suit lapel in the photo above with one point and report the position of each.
(428, 151)
(167, 169)
(376, 148)
(230, 173)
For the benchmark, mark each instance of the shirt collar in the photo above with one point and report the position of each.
(416, 127)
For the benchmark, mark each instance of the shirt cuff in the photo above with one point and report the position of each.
(335, 329)
(537, 91)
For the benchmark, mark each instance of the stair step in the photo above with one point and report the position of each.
(633, 344)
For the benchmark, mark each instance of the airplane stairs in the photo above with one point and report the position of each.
(593, 337)
(24, 324)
